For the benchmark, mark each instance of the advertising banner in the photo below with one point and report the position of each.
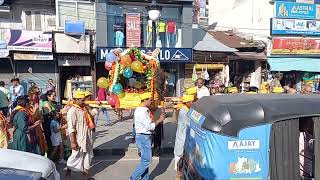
(32, 57)
(295, 46)
(20, 40)
(244, 157)
(133, 30)
(295, 27)
(295, 10)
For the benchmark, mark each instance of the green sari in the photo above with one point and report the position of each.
(23, 138)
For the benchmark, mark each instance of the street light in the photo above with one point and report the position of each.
(154, 15)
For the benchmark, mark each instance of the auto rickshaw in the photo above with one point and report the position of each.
(253, 137)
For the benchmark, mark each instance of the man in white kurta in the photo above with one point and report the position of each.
(183, 122)
(81, 137)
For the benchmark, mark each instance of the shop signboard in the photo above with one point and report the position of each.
(20, 40)
(4, 52)
(295, 10)
(32, 57)
(295, 46)
(303, 1)
(165, 55)
(73, 60)
(295, 27)
(133, 30)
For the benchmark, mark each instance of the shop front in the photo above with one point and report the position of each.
(297, 60)
(74, 63)
(31, 58)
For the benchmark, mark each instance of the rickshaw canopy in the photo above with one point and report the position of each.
(228, 114)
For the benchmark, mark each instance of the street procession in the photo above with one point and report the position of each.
(157, 89)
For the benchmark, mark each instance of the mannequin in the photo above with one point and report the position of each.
(171, 33)
(149, 33)
(119, 37)
(162, 32)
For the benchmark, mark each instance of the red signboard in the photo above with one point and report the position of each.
(133, 30)
(295, 46)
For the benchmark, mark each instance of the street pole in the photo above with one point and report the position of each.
(154, 35)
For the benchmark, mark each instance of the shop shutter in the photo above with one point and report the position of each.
(86, 13)
(66, 11)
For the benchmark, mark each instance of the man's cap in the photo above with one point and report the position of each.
(79, 95)
(187, 98)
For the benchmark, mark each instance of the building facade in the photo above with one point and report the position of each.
(26, 42)
(121, 24)
(248, 17)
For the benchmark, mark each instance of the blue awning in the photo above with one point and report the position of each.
(294, 64)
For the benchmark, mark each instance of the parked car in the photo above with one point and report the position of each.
(17, 165)
(253, 137)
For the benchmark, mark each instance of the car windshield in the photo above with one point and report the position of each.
(16, 174)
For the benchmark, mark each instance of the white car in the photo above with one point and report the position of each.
(17, 165)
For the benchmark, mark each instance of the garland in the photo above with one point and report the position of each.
(115, 77)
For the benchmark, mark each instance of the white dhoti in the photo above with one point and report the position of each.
(79, 161)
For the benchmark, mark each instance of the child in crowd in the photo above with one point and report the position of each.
(56, 139)
(3, 132)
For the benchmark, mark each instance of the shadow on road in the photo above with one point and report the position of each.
(161, 167)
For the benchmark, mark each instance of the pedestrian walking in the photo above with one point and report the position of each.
(80, 129)
(56, 139)
(16, 90)
(47, 107)
(4, 99)
(143, 126)
(181, 133)
(24, 137)
(102, 96)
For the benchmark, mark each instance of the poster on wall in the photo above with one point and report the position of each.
(133, 30)
(295, 27)
(295, 46)
(20, 40)
(295, 10)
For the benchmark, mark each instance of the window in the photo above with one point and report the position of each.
(35, 20)
(168, 28)
(76, 10)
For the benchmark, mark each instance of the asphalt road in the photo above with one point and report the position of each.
(120, 168)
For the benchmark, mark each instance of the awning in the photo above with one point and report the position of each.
(212, 45)
(249, 56)
(294, 64)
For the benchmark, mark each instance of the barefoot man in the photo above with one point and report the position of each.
(80, 128)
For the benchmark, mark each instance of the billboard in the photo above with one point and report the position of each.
(20, 40)
(295, 10)
(295, 46)
(295, 27)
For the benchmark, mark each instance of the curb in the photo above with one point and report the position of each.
(126, 151)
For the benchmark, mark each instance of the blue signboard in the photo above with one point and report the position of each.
(74, 27)
(303, 1)
(243, 157)
(295, 27)
(295, 10)
(165, 55)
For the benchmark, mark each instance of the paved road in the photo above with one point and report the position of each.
(120, 168)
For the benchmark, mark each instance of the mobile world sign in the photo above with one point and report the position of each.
(165, 55)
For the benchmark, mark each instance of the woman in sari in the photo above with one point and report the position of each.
(24, 136)
(48, 106)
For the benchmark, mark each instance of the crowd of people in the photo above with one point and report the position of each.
(35, 123)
